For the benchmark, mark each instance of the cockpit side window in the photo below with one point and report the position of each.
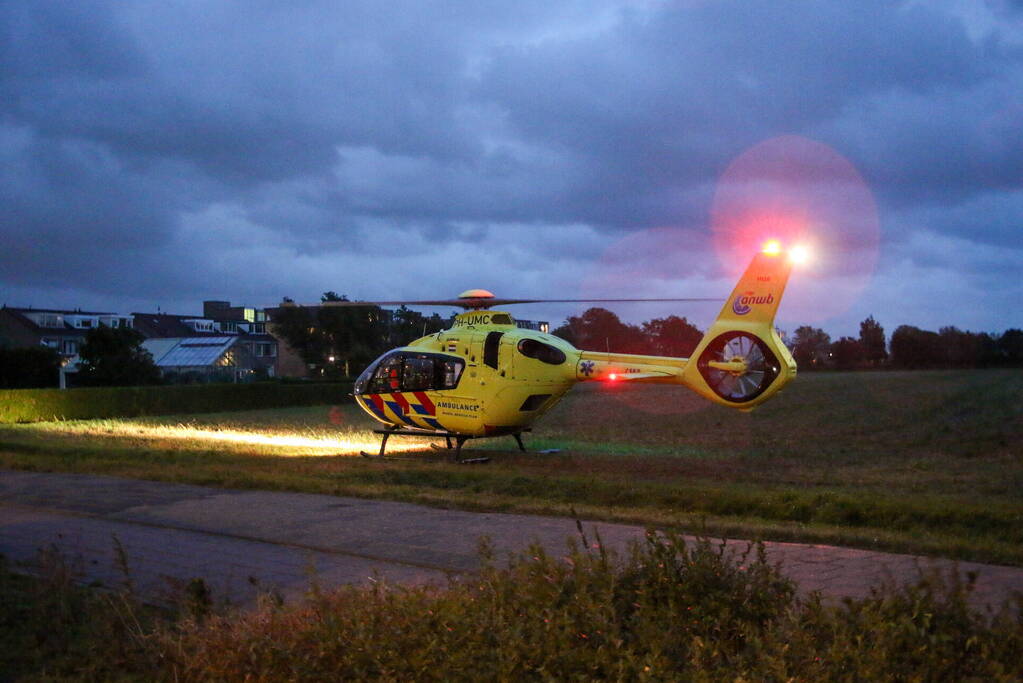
(418, 374)
(451, 372)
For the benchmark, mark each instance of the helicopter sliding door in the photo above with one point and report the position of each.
(491, 349)
(499, 353)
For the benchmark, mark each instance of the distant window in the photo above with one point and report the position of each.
(84, 323)
(257, 328)
(228, 359)
(52, 343)
(543, 352)
(501, 319)
(69, 347)
(266, 349)
(50, 321)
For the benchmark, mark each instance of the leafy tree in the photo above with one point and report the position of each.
(113, 356)
(811, 346)
(408, 325)
(351, 335)
(915, 348)
(36, 367)
(988, 354)
(1010, 344)
(295, 325)
(672, 336)
(566, 332)
(598, 329)
(872, 342)
(847, 353)
(959, 349)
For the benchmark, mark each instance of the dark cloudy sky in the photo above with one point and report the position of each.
(162, 153)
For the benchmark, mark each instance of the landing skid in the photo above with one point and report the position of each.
(459, 441)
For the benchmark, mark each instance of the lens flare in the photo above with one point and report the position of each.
(799, 191)
(772, 247)
(799, 254)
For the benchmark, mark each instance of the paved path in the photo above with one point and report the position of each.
(245, 542)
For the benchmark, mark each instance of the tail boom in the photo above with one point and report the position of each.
(740, 362)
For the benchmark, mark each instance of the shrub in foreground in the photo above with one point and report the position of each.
(667, 611)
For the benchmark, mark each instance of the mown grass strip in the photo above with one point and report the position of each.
(924, 462)
(930, 525)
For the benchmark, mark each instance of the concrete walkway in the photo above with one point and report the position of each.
(246, 542)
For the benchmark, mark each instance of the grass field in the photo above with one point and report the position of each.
(927, 462)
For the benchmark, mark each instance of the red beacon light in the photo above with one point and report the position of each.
(613, 376)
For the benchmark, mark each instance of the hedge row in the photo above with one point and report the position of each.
(38, 405)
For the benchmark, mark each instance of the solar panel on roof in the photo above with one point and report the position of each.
(193, 352)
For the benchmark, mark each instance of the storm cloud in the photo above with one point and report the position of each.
(161, 154)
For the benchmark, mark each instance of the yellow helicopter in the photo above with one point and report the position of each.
(487, 377)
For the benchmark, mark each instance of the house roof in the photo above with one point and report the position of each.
(188, 351)
(64, 330)
(62, 311)
(167, 325)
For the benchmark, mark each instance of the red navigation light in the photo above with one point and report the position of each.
(612, 377)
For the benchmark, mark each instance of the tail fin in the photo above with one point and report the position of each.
(741, 361)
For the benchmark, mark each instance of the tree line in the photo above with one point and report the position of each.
(909, 348)
(337, 342)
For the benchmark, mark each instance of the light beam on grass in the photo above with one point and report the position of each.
(351, 443)
(308, 445)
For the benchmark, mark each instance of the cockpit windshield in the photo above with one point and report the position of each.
(398, 371)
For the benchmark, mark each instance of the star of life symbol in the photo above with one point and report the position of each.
(586, 367)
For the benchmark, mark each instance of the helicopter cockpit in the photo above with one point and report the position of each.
(406, 370)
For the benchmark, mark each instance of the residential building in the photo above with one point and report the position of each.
(218, 345)
(538, 325)
(61, 330)
(205, 358)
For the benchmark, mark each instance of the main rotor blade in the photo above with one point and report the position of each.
(600, 301)
(471, 303)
